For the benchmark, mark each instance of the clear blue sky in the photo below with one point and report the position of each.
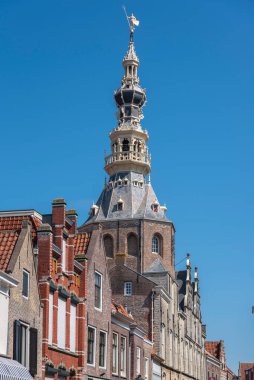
(60, 62)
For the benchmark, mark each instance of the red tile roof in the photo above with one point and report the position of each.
(120, 309)
(243, 367)
(213, 348)
(10, 223)
(81, 242)
(7, 243)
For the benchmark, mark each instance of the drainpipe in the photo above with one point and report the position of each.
(152, 313)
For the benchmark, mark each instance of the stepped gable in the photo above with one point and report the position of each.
(118, 308)
(214, 348)
(243, 367)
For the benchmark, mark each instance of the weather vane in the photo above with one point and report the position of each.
(132, 22)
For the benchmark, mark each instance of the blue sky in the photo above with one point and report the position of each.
(60, 63)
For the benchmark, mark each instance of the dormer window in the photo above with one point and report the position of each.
(94, 209)
(120, 182)
(120, 205)
(110, 184)
(141, 184)
(125, 181)
(155, 206)
(135, 183)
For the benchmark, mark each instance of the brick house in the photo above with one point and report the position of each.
(62, 284)
(244, 370)
(216, 361)
(18, 259)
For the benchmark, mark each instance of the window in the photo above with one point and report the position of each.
(25, 289)
(163, 341)
(54, 266)
(61, 323)
(73, 328)
(123, 357)
(64, 256)
(132, 243)
(98, 290)
(146, 368)
(155, 244)
(128, 288)
(120, 205)
(109, 245)
(91, 345)
(125, 146)
(25, 346)
(115, 353)
(138, 361)
(102, 349)
(50, 331)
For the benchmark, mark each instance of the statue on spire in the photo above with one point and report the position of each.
(132, 22)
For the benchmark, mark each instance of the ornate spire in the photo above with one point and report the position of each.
(128, 140)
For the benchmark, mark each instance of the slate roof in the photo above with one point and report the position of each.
(181, 276)
(243, 367)
(81, 242)
(137, 201)
(156, 267)
(8, 241)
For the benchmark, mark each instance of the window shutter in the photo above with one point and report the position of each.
(17, 341)
(33, 351)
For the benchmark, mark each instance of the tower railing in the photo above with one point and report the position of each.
(132, 156)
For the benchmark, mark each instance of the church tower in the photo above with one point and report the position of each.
(134, 225)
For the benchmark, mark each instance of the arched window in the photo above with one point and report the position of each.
(125, 145)
(108, 245)
(132, 243)
(157, 244)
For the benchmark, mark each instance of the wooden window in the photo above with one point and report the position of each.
(61, 323)
(25, 288)
(138, 358)
(91, 345)
(123, 357)
(102, 349)
(73, 328)
(115, 353)
(50, 325)
(54, 265)
(25, 344)
(98, 290)
(128, 288)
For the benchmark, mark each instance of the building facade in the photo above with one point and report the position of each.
(62, 284)
(19, 264)
(135, 238)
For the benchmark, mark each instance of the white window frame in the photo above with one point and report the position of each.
(64, 256)
(155, 246)
(61, 325)
(117, 369)
(73, 327)
(99, 274)
(28, 283)
(123, 370)
(51, 313)
(146, 368)
(27, 326)
(138, 360)
(128, 288)
(94, 346)
(105, 352)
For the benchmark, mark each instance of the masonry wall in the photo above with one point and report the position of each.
(27, 310)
